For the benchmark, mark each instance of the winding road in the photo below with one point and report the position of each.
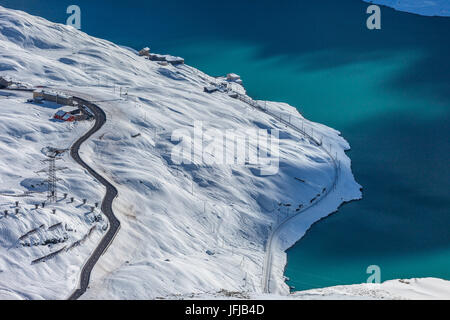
(111, 193)
(267, 266)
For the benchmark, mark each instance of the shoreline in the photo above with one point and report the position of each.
(297, 228)
(308, 231)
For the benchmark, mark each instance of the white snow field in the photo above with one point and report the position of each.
(26, 131)
(422, 7)
(402, 289)
(186, 230)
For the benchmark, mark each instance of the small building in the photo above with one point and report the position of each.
(165, 59)
(82, 117)
(59, 115)
(233, 94)
(51, 96)
(4, 83)
(75, 112)
(145, 52)
(233, 77)
(85, 110)
(38, 95)
(210, 89)
(174, 60)
(64, 116)
(156, 57)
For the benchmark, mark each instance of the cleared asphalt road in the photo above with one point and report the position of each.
(111, 193)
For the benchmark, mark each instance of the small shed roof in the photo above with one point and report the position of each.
(210, 89)
(233, 76)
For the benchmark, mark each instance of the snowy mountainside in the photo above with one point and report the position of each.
(26, 132)
(400, 289)
(186, 228)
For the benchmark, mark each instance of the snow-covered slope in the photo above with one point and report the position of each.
(426, 8)
(26, 132)
(190, 228)
(403, 289)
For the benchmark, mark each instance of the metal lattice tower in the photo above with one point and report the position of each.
(51, 178)
(52, 191)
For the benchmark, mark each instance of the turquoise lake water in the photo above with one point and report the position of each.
(387, 91)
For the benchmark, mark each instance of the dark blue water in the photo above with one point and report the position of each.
(387, 91)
